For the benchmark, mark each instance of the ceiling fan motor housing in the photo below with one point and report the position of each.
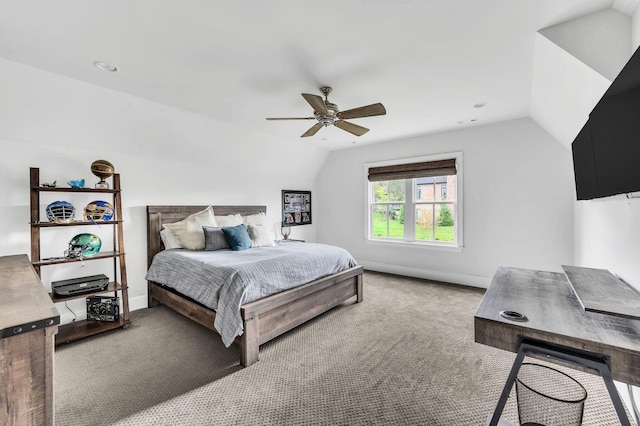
(330, 117)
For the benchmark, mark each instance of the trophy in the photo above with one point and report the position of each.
(103, 169)
(286, 231)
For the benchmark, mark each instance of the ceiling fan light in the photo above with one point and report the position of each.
(325, 119)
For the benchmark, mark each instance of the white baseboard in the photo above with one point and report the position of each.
(138, 302)
(448, 277)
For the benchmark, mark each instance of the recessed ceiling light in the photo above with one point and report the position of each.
(105, 66)
(480, 105)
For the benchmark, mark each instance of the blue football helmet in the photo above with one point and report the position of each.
(61, 212)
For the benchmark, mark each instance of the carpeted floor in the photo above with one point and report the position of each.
(405, 356)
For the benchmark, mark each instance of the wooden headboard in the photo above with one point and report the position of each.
(157, 216)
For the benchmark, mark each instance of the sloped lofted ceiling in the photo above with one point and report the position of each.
(428, 62)
(574, 65)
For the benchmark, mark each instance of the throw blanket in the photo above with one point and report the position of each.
(223, 280)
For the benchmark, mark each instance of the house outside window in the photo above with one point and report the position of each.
(422, 206)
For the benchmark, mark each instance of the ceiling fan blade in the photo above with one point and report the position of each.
(365, 111)
(351, 128)
(312, 131)
(316, 103)
(290, 118)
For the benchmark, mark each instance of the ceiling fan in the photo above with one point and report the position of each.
(328, 114)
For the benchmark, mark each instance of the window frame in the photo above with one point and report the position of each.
(410, 204)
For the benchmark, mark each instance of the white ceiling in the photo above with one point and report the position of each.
(428, 61)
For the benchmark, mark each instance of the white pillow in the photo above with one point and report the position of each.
(255, 219)
(169, 239)
(259, 231)
(189, 230)
(229, 220)
(260, 236)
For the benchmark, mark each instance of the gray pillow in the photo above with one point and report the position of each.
(214, 238)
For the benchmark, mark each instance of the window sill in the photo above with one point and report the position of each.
(416, 244)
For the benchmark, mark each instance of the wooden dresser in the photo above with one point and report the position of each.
(28, 324)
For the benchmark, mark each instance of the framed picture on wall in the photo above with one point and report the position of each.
(296, 207)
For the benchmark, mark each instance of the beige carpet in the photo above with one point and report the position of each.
(405, 356)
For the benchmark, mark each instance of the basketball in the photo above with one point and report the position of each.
(102, 168)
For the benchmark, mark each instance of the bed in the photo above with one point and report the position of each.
(262, 319)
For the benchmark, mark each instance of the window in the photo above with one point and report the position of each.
(388, 208)
(416, 200)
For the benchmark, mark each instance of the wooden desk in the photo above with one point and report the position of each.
(600, 291)
(555, 315)
(28, 324)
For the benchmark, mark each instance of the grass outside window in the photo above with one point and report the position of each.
(396, 230)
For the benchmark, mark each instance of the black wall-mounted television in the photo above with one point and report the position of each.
(606, 152)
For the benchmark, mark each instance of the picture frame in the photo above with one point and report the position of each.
(296, 207)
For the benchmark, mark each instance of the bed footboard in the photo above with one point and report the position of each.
(274, 315)
(268, 318)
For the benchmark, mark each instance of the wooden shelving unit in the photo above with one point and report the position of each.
(85, 328)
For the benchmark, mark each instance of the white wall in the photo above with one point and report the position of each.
(608, 236)
(164, 156)
(518, 203)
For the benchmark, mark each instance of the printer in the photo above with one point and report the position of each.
(80, 285)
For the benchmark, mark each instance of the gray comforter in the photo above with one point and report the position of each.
(223, 280)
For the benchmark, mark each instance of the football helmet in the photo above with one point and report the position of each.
(60, 212)
(98, 210)
(84, 245)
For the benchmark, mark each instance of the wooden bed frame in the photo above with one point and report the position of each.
(263, 319)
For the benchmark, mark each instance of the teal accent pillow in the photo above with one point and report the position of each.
(237, 237)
